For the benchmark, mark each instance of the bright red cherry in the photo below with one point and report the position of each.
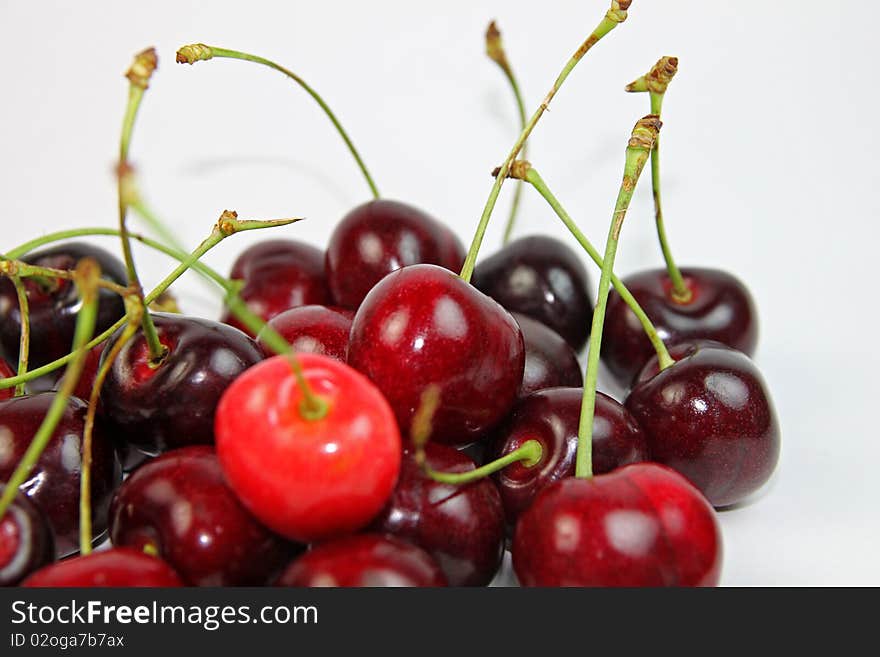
(308, 479)
(172, 405)
(423, 325)
(462, 527)
(52, 312)
(551, 417)
(710, 417)
(180, 505)
(313, 330)
(550, 360)
(279, 275)
(365, 560)
(5, 372)
(720, 309)
(642, 525)
(117, 567)
(541, 277)
(54, 482)
(380, 237)
(26, 541)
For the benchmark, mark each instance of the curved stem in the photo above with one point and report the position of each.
(637, 153)
(614, 16)
(88, 272)
(24, 344)
(496, 52)
(46, 275)
(200, 52)
(529, 453)
(663, 357)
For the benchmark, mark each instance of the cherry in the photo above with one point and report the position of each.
(641, 525)
(720, 309)
(180, 506)
(551, 417)
(380, 237)
(89, 373)
(172, 404)
(423, 325)
(54, 484)
(26, 541)
(308, 478)
(365, 560)
(313, 329)
(117, 567)
(6, 371)
(52, 312)
(462, 527)
(710, 417)
(550, 360)
(278, 275)
(541, 277)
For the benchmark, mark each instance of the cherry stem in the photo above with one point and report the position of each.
(199, 52)
(24, 344)
(637, 152)
(88, 272)
(138, 75)
(529, 454)
(46, 275)
(533, 177)
(188, 261)
(655, 82)
(495, 51)
(613, 17)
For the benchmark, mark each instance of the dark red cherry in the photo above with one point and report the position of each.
(551, 417)
(180, 505)
(462, 527)
(156, 408)
(314, 330)
(541, 277)
(53, 311)
(5, 372)
(642, 525)
(54, 482)
(365, 560)
(117, 567)
(26, 541)
(279, 275)
(380, 237)
(424, 325)
(720, 309)
(710, 417)
(550, 360)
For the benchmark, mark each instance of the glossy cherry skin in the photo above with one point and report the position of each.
(308, 480)
(551, 417)
(313, 330)
(720, 309)
(179, 504)
(26, 541)
(710, 417)
(116, 567)
(641, 525)
(462, 527)
(380, 237)
(550, 360)
(423, 325)
(279, 275)
(173, 405)
(541, 277)
(365, 560)
(54, 482)
(52, 313)
(6, 371)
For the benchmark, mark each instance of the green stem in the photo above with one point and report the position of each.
(529, 453)
(25, 341)
(664, 359)
(637, 153)
(47, 276)
(201, 52)
(85, 326)
(614, 16)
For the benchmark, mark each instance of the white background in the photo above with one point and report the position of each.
(769, 161)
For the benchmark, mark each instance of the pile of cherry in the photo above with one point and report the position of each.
(425, 423)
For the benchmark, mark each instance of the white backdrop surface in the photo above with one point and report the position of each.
(769, 164)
